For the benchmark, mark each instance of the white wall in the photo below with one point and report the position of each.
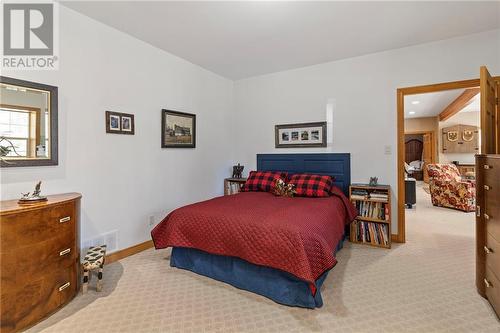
(125, 179)
(461, 118)
(364, 91)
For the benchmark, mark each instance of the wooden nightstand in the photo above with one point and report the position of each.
(233, 185)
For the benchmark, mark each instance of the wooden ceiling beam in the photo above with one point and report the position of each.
(459, 103)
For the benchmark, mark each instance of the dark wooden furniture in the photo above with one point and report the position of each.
(39, 259)
(233, 185)
(371, 201)
(413, 150)
(488, 228)
(467, 170)
(417, 174)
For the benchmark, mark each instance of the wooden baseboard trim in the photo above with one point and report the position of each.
(395, 238)
(118, 255)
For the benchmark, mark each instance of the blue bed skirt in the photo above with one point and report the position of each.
(275, 284)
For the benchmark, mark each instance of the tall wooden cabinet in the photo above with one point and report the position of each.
(39, 259)
(488, 228)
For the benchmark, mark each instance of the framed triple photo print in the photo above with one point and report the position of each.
(300, 135)
(120, 123)
(178, 129)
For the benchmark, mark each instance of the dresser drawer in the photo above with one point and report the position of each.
(50, 254)
(491, 171)
(37, 225)
(492, 250)
(491, 191)
(493, 290)
(43, 294)
(492, 216)
(69, 284)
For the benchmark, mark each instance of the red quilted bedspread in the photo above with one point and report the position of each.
(297, 235)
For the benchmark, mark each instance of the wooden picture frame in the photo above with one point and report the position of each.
(303, 135)
(120, 123)
(178, 129)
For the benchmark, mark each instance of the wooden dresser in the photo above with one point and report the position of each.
(40, 259)
(488, 228)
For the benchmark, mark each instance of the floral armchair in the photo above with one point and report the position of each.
(449, 190)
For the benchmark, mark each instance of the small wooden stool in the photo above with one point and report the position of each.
(94, 259)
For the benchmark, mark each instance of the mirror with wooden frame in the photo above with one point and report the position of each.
(28, 123)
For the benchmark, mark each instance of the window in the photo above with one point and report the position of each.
(15, 126)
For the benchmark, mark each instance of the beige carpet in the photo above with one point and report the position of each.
(425, 285)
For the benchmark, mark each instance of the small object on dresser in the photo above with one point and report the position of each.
(373, 181)
(94, 260)
(34, 197)
(237, 171)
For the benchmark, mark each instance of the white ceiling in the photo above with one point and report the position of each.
(432, 104)
(244, 39)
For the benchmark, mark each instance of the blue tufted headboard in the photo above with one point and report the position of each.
(337, 165)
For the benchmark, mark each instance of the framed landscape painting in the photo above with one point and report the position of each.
(300, 135)
(178, 129)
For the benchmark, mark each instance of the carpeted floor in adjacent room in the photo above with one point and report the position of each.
(425, 285)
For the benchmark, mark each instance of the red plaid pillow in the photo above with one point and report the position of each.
(262, 180)
(311, 185)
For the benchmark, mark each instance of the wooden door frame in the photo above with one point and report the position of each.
(400, 237)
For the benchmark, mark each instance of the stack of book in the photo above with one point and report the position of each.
(369, 232)
(359, 194)
(379, 196)
(375, 210)
(233, 187)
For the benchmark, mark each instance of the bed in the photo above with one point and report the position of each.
(280, 248)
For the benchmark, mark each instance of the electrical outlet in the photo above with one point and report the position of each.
(151, 220)
(387, 150)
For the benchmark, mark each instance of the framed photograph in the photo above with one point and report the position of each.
(300, 135)
(178, 129)
(127, 123)
(119, 123)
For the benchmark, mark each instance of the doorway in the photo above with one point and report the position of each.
(431, 136)
(420, 151)
(489, 136)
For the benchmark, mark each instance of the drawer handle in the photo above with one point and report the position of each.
(67, 284)
(68, 250)
(486, 216)
(487, 283)
(487, 250)
(478, 211)
(65, 219)
(487, 188)
(487, 167)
